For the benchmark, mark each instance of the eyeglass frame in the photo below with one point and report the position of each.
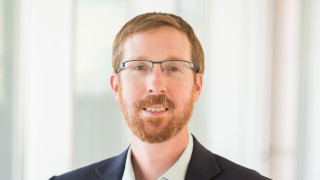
(191, 65)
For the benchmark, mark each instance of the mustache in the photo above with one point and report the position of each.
(155, 100)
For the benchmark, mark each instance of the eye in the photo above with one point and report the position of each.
(140, 68)
(173, 69)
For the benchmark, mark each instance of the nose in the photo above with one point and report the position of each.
(156, 81)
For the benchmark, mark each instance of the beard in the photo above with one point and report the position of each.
(149, 129)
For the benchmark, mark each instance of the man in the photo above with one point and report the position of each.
(158, 67)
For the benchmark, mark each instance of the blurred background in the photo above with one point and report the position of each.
(260, 101)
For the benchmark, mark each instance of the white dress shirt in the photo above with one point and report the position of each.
(176, 172)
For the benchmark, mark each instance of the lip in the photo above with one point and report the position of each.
(155, 114)
(156, 106)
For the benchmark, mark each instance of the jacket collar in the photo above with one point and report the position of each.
(113, 168)
(202, 165)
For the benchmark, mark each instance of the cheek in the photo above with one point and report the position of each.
(131, 92)
(182, 93)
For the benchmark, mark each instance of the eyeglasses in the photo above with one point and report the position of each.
(171, 68)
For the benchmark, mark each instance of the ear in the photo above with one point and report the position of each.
(198, 87)
(114, 82)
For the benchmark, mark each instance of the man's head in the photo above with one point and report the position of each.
(156, 79)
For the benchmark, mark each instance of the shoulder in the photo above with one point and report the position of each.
(207, 165)
(87, 172)
(109, 167)
(231, 170)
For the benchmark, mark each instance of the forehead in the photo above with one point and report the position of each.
(158, 44)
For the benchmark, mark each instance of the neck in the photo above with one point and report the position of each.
(150, 161)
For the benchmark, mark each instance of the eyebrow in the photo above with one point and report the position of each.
(139, 58)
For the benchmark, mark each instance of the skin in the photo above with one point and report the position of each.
(151, 160)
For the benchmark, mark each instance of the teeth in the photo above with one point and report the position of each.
(156, 109)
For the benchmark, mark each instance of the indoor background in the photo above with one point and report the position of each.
(259, 105)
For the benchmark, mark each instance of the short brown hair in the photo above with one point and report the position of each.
(149, 21)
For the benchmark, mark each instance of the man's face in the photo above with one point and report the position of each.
(156, 107)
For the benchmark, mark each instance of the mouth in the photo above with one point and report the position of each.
(156, 109)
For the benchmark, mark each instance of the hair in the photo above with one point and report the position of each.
(148, 21)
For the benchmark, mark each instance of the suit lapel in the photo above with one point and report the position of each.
(113, 168)
(203, 164)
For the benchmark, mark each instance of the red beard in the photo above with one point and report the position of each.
(138, 125)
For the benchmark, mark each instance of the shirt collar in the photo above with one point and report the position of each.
(177, 171)
(128, 173)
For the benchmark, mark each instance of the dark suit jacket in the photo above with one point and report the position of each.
(203, 165)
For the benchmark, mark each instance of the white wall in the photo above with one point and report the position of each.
(285, 89)
(309, 124)
(238, 79)
(45, 82)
